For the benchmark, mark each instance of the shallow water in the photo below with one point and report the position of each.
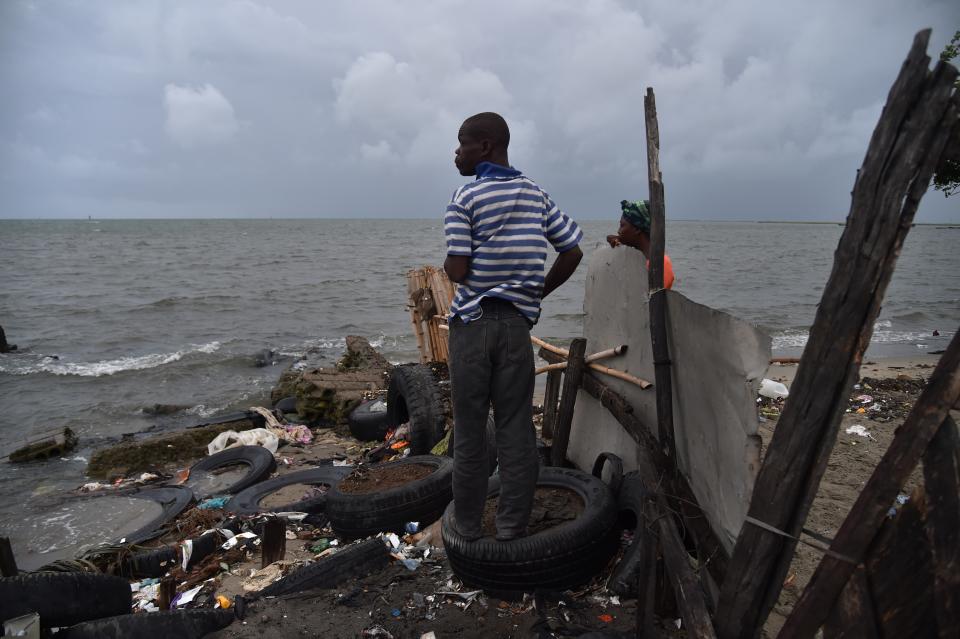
(176, 311)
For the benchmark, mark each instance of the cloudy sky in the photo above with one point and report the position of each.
(296, 108)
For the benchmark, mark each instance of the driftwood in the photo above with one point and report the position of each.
(658, 301)
(867, 514)
(571, 385)
(896, 172)
(941, 475)
(551, 398)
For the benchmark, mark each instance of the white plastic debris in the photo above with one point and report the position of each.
(187, 551)
(860, 431)
(393, 539)
(189, 596)
(233, 541)
(772, 389)
(252, 437)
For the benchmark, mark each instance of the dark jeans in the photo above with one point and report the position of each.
(491, 363)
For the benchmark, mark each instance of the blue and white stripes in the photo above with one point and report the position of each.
(505, 225)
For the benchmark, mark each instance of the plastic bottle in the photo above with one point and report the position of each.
(772, 389)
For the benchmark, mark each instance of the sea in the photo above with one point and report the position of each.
(115, 316)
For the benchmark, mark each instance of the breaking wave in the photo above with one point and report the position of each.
(19, 366)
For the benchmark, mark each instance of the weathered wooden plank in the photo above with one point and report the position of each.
(646, 579)
(655, 469)
(853, 616)
(686, 586)
(942, 482)
(571, 385)
(274, 545)
(900, 573)
(8, 564)
(658, 302)
(895, 173)
(551, 398)
(867, 514)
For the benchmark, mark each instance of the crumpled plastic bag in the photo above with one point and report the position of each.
(253, 437)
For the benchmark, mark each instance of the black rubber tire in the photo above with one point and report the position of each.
(616, 470)
(356, 515)
(174, 500)
(287, 405)
(631, 499)
(259, 461)
(357, 560)
(247, 502)
(158, 561)
(414, 396)
(181, 624)
(491, 443)
(368, 423)
(560, 558)
(256, 419)
(64, 598)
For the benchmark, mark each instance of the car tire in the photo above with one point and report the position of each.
(64, 598)
(357, 560)
(356, 515)
(414, 396)
(182, 624)
(258, 460)
(370, 421)
(563, 557)
(247, 502)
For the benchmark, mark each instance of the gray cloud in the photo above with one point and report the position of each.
(296, 108)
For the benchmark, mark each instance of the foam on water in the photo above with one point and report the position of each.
(25, 364)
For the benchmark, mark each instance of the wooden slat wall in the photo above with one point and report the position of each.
(431, 339)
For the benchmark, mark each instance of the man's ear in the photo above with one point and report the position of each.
(486, 148)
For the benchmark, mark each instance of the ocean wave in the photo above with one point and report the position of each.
(798, 339)
(22, 366)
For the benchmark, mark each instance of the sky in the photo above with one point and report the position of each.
(297, 108)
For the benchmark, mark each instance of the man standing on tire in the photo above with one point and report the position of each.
(498, 229)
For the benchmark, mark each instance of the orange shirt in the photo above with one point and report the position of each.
(667, 272)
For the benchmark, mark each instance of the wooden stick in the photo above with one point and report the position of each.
(868, 512)
(8, 564)
(646, 578)
(896, 171)
(273, 546)
(550, 367)
(940, 471)
(627, 377)
(658, 302)
(166, 592)
(686, 588)
(610, 352)
(571, 385)
(548, 346)
(551, 398)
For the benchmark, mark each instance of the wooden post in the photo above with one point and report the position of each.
(571, 385)
(8, 564)
(273, 546)
(853, 616)
(909, 138)
(862, 523)
(646, 579)
(940, 476)
(658, 301)
(551, 397)
(686, 586)
(166, 592)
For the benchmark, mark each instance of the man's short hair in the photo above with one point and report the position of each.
(488, 126)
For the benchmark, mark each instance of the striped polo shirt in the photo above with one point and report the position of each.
(504, 223)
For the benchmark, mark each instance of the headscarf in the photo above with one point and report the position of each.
(637, 213)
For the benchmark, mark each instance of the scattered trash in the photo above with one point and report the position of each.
(605, 618)
(772, 389)
(223, 602)
(233, 541)
(396, 612)
(428, 635)
(252, 437)
(861, 431)
(412, 527)
(184, 598)
(260, 579)
(393, 539)
(214, 503)
(861, 411)
(410, 564)
(376, 631)
(864, 399)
